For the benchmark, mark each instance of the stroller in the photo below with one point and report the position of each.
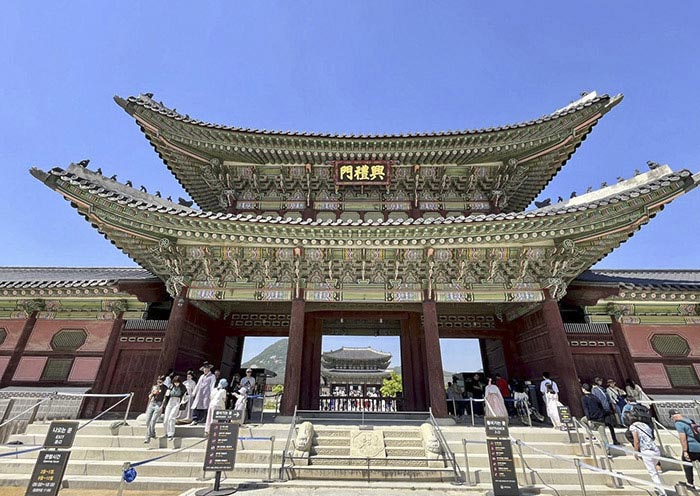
(524, 410)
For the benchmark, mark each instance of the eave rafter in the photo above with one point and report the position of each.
(489, 258)
(502, 168)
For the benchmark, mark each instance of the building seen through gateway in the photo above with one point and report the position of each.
(419, 236)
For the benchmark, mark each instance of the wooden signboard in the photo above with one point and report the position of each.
(362, 172)
(48, 473)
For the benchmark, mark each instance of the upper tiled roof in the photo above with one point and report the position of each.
(678, 279)
(508, 164)
(146, 101)
(346, 353)
(69, 277)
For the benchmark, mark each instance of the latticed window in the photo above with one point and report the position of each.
(57, 369)
(682, 375)
(670, 345)
(3, 335)
(68, 339)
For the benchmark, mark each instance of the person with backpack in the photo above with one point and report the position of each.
(643, 442)
(596, 415)
(636, 412)
(689, 435)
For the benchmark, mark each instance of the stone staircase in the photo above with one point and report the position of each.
(99, 453)
(374, 454)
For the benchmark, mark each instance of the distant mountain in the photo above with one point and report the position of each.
(274, 358)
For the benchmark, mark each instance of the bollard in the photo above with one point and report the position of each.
(471, 408)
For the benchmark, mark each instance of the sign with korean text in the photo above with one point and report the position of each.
(568, 423)
(496, 426)
(48, 473)
(228, 416)
(362, 172)
(61, 434)
(503, 476)
(501, 463)
(221, 447)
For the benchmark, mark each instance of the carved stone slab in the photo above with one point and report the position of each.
(367, 444)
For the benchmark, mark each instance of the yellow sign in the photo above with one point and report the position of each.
(362, 172)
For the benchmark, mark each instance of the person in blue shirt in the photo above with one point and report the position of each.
(690, 445)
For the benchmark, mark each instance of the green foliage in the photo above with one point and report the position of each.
(278, 389)
(392, 385)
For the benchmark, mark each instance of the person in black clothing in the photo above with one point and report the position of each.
(596, 414)
(477, 390)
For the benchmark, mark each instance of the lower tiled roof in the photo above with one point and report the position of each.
(69, 277)
(678, 279)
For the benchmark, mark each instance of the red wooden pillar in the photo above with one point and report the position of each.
(19, 348)
(625, 360)
(413, 376)
(311, 364)
(173, 334)
(102, 381)
(293, 370)
(563, 360)
(433, 362)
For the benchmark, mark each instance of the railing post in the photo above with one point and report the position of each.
(471, 409)
(466, 463)
(128, 407)
(522, 458)
(46, 412)
(577, 464)
(272, 453)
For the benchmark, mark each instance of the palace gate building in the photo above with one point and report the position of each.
(421, 236)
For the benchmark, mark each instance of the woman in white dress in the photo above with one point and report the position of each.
(496, 407)
(218, 402)
(185, 414)
(551, 399)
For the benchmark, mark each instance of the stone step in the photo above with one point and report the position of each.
(194, 455)
(407, 433)
(403, 442)
(332, 441)
(404, 462)
(377, 473)
(405, 451)
(332, 450)
(256, 471)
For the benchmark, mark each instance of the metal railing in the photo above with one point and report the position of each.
(330, 403)
(285, 451)
(448, 455)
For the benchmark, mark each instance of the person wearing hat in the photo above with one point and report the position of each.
(201, 396)
(248, 381)
(218, 402)
(689, 445)
(241, 401)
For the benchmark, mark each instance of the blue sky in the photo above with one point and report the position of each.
(365, 67)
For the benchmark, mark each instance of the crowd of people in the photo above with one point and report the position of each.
(194, 400)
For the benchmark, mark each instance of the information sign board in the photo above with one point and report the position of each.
(568, 422)
(48, 473)
(496, 426)
(503, 477)
(221, 447)
(501, 462)
(61, 434)
(228, 416)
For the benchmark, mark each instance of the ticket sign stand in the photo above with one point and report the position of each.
(568, 422)
(221, 449)
(51, 463)
(501, 463)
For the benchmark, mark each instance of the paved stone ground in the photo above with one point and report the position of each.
(19, 491)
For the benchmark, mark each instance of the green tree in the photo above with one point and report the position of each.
(392, 385)
(278, 389)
